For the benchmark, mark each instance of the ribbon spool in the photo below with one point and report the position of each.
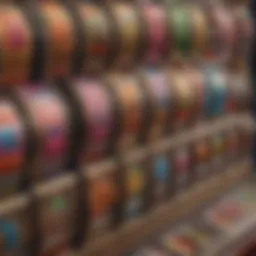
(129, 99)
(155, 18)
(16, 45)
(223, 34)
(183, 98)
(99, 43)
(49, 115)
(13, 148)
(200, 29)
(98, 115)
(156, 84)
(103, 196)
(216, 93)
(244, 32)
(181, 30)
(57, 204)
(60, 39)
(128, 28)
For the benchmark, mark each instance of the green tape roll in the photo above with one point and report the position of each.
(181, 25)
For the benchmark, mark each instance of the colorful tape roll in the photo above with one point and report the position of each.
(103, 195)
(127, 25)
(16, 45)
(13, 148)
(155, 18)
(49, 115)
(180, 24)
(129, 99)
(157, 85)
(98, 111)
(183, 98)
(60, 39)
(223, 36)
(57, 209)
(99, 40)
(200, 30)
(216, 93)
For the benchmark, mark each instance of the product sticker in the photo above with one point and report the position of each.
(182, 168)
(226, 214)
(135, 182)
(58, 207)
(181, 243)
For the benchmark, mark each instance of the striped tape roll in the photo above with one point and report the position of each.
(155, 18)
(49, 115)
(12, 146)
(156, 83)
(97, 107)
(130, 101)
(127, 25)
(60, 39)
(15, 45)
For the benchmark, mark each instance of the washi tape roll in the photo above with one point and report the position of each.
(13, 148)
(16, 46)
(57, 207)
(60, 39)
(103, 196)
(180, 24)
(223, 34)
(200, 30)
(201, 158)
(98, 112)
(49, 115)
(218, 146)
(135, 186)
(216, 93)
(99, 39)
(182, 167)
(244, 31)
(130, 102)
(157, 85)
(183, 98)
(128, 28)
(155, 18)
(15, 227)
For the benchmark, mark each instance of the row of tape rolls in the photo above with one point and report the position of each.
(65, 38)
(109, 109)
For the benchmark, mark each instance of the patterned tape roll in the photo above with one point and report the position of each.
(156, 22)
(156, 83)
(181, 29)
(16, 45)
(129, 97)
(99, 40)
(183, 97)
(60, 39)
(98, 114)
(12, 146)
(223, 35)
(216, 93)
(15, 228)
(126, 21)
(49, 115)
(57, 206)
(200, 29)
